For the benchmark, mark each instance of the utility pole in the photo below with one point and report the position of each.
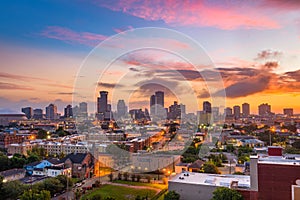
(67, 185)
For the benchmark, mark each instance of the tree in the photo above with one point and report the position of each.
(53, 185)
(64, 180)
(243, 158)
(125, 176)
(238, 173)
(210, 168)
(119, 176)
(97, 183)
(296, 144)
(77, 194)
(42, 134)
(109, 198)
(32, 158)
(96, 197)
(12, 190)
(17, 161)
(172, 195)
(31, 195)
(148, 179)
(223, 193)
(133, 177)
(138, 178)
(111, 177)
(4, 162)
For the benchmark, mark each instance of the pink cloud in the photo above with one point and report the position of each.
(122, 29)
(196, 13)
(70, 36)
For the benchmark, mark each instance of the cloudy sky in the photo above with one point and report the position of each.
(253, 46)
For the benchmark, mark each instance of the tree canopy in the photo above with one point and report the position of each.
(223, 193)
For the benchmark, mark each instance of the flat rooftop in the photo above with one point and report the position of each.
(212, 179)
(280, 160)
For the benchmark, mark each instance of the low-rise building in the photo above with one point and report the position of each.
(54, 171)
(274, 175)
(192, 185)
(21, 148)
(81, 164)
(12, 174)
(149, 162)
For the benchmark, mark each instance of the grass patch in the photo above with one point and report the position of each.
(157, 186)
(120, 192)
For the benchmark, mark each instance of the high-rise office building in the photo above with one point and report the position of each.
(152, 104)
(215, 113)
(83, 107)
(121, 108)
(174, 111)
(38, 113)
(160, 98)
(228, 111)
(264, 109)
(206, 107)
(51, 112)
(246, 109)
(183, 109)
(28, 111)
(102, 102)
(157, 102)
(103, 108)
(236, 112)
(68, 111)
(288, 111)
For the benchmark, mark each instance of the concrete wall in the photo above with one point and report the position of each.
(192, 191)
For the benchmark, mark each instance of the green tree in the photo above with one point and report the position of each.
(138, 178)
(4, 162)
(119, 176)
(296, 144)
(125, 175)
(31, 195)
(133, 176)
(96, 197)
(42, 134)
(109, 198)
(223, 193)
(32, 158)
(111, 176)
(53, 185)
(210, 168)
(64, 180)
(243, 158)
(172, 195)
(148, 179)
(12, 190)
(17, 161)
(77, 194)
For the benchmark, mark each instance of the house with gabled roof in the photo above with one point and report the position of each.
(80, 163)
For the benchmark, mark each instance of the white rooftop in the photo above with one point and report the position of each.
(211, 179)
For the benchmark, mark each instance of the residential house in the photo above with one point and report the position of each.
(37, 168)
(196, 166)
(80, 163)
(54, 171)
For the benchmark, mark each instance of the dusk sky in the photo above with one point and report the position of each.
(255, 46)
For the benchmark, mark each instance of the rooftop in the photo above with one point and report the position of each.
(212, 179)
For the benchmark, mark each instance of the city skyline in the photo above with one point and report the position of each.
(41, 55)
(241, 110)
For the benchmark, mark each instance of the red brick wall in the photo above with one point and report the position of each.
(274, 181)
(249, 195)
